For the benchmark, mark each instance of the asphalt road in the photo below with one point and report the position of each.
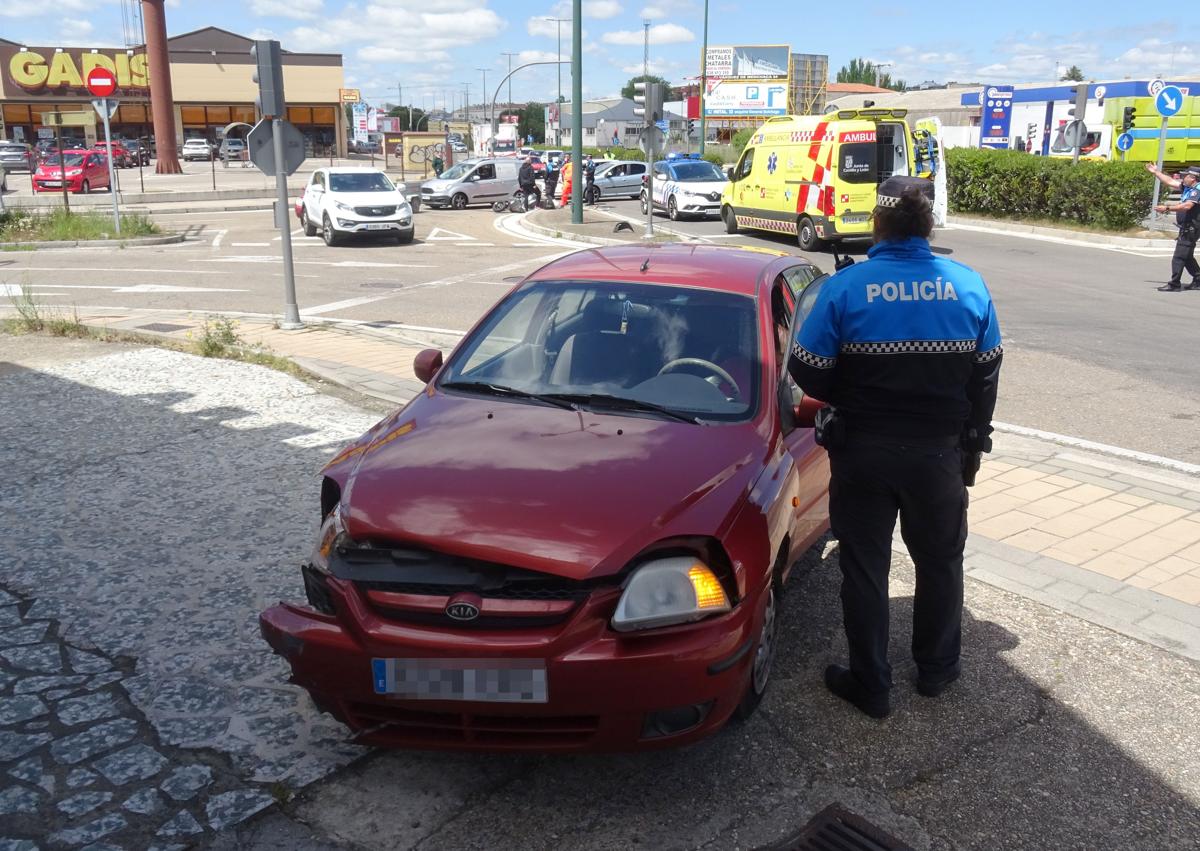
(1093, 350)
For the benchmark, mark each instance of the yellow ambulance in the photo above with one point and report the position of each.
(815, 176)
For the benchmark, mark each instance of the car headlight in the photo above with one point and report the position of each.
(669, 591)
(404, 209)
(344, 207)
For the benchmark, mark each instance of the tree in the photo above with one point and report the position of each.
(864, 71)
(532, 120)
(1074, 74)
(627, 91)
(417, 118)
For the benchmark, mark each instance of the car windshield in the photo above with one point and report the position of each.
(368, 181)
(684, 352)
(456, 171)
(697, 171)
(72, 159)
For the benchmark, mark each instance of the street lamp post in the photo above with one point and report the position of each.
(577, 111)
(877, 67)
(558, 121)
(484, 72)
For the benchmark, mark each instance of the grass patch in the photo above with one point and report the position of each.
(33, 316)
(61, 226)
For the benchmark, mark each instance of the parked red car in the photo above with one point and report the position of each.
(122, 156)
(575, 537)
(85, 170)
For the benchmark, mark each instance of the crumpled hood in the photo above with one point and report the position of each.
(574, 494)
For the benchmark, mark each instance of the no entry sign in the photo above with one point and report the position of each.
(101, 82)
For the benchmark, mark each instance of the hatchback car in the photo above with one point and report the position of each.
(576, 537)
(349, 201)
(17, 156)
(619, 179)
(85, 170)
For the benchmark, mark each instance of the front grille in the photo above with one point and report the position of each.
(375, 211)
(388, 722)
(543, 589)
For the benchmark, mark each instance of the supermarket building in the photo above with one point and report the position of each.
(211, 78)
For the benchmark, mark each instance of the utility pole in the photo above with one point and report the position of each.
(558, 103)
(577, 111)
(703, 82)
(646, 50)
(510, 56)
(484, 72)
(877, 67)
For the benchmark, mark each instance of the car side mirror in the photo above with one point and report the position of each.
(729, 172)
(805, 414)
(426, 364)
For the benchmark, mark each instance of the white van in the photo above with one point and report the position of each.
(472, 182)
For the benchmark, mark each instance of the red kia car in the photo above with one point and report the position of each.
(575, 538)
(85, 170)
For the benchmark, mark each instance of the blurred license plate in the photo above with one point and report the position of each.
(486, 680)
(379, 227)
(855, 219)
(51, 183)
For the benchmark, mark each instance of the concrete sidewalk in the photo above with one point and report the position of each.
(1106, 538)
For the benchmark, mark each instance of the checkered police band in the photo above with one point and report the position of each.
(886, 200)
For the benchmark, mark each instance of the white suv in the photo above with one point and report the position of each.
(346, 201)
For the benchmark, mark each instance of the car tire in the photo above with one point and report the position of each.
(459, 201)
(328, 233)
(763, 655)
(806, 236)
(642, 198)
(727, 216)
(404, 237)
(309, 228)
(85, 188)
(672, 209)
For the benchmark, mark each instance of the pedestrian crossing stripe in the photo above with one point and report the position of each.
(447, 235)
(766, 224)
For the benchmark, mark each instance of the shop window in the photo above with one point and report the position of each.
(300, 115)
(245, 114)
(218, 115)
(131, 114)
(324, 115)
(15, 113)
(193, 115)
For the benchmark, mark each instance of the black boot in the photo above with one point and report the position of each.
(841, 682)
(1170, 288)
(932, 688)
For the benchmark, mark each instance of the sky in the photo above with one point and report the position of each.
(436, 48)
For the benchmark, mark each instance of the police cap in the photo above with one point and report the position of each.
(1194, 170)
(892, 188)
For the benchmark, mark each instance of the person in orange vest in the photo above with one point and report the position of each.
(568, 172)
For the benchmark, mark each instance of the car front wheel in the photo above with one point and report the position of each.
(404, 237)
(731, 225)
(459, 201)
(309, 228)
(328, 233)
(642, 198)
(672, 209)
(764, 657)
(85, 188)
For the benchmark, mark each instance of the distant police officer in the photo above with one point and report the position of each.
(905, 349)
(1187, 216)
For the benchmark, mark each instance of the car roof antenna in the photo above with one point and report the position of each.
(646, 263)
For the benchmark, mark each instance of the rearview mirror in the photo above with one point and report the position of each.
(805, 413)
(426, 364)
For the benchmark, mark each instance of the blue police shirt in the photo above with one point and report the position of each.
(906, 343)
(1192, 193)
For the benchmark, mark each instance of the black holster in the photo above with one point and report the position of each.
(829, 429)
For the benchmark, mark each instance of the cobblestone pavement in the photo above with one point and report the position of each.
(164, 501)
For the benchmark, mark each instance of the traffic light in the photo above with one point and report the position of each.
(1128, 114)
(1031, 130)
(1079, 94)
(649, 97)
(691, 126)
(268, 73)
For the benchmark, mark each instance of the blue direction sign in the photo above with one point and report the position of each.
(1124, 141)
(662, 124)
(1168, 101)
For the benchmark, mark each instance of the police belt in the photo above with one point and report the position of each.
(857, 437)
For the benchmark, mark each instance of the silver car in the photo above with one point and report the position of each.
(472, 182)
(618, 179)
(17, 156)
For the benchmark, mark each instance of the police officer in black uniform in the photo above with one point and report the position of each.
(905, 349)
(1187, 217)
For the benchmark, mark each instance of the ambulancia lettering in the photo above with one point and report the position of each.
(937, 290)
(857, 136)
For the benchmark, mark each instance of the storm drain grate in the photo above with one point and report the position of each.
(837, 829)
(163, 327)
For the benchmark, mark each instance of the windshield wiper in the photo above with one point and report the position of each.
(623, 403)
(508, 392)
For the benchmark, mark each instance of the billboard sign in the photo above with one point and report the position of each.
(749, 62)
(996, 103)
(359, 112)
(729, 98)
(49, 72)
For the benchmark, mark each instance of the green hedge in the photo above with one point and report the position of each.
(1016, 185)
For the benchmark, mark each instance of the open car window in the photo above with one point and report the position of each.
(689, 350)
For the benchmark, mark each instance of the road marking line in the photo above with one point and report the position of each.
(474, 245)
(447, 235)
(216, 243)
(250, 244)
(342, 305)
(110, 269)
(1080, 443)
(365, 264)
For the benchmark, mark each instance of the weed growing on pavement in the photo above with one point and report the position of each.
(218, 334)
(30, 316)
(59, 226)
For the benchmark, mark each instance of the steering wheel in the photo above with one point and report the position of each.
(704, 364)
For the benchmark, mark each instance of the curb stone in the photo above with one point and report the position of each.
(1083, 237)
(135, 242)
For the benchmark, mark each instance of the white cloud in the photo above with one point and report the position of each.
(659, 69)
(378, 53)
(303, 9)
(539, 56)
(659, 34)
(76, 30)
(545, 27)
(402, 27)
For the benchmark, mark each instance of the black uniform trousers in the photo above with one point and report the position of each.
(1185, 256)
(551, 183)
(874, 478)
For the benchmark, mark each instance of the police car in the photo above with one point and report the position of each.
(687, 186)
